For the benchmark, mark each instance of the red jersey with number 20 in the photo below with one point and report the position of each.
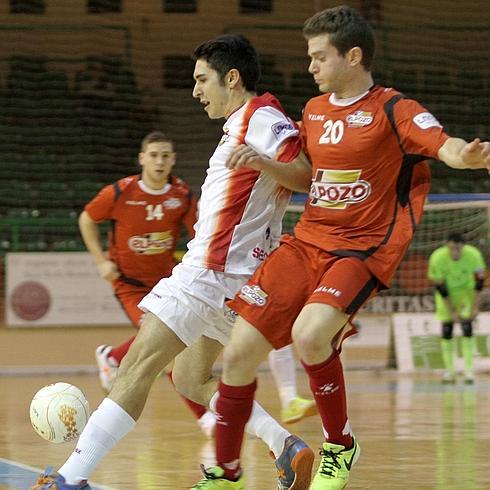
(370, 175)
(146, 225)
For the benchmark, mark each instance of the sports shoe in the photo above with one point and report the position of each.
(448, 378)
(52, 481)
(294, 465)
(469, 379)
(214, 480)
(298, 409)
(107, 367)
(335, 466)
(207, 424)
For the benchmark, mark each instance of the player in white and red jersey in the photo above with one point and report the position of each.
(239, 221)
(147, 212)
(369, 147)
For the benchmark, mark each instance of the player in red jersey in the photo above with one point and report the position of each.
(147, 212)
(369, 147)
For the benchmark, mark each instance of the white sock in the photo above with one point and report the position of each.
(106, 426)
(283, 367)
(263, 426)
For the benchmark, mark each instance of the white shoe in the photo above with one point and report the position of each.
(107, 367)
(207, 424)
(469, 379)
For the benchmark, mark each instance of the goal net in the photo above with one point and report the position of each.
(409, 303)
(444, 214)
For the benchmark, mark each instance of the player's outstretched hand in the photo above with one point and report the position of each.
(244, 156)
(476, 154)
(108, 270)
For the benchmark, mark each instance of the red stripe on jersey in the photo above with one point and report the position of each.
(289, 150)
(253, 105)
(237, 196)
(238, 192)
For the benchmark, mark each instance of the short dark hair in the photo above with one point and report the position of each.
(456, 237)
(155, 137)
(347, 29)
(229, 51)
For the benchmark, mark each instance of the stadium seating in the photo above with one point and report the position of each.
(61, 141)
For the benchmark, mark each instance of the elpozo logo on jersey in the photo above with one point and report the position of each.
(253, 295)
(426, 120)
(335, 189)
(359, 119)
(151, 243)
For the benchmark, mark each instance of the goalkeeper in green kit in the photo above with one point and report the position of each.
(457, 271)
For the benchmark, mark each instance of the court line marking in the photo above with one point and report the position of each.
(27, 475)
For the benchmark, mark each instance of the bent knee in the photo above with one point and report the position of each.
(316, 327)
(235, 356)
(192, 392)
(187, 386)
(310, 340)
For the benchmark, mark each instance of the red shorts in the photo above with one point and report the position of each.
(295, 275)
(129, 296)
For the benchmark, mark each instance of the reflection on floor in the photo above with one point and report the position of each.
(415, 434)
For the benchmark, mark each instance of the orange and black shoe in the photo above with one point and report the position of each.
(294, 465)
(52, 481)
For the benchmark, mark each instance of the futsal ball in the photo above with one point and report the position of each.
(59, 412)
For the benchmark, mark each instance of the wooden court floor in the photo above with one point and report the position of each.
(414, 434)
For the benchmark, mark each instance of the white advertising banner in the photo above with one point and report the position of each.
(417, 342)
(58, 289)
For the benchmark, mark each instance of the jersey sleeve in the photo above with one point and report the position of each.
(271, 133)
(435, 272)
(101, 206)
(419, 131)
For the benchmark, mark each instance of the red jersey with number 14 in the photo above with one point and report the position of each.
(146, 225)
(370, 175)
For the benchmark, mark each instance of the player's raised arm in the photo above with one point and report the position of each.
(457, 153)
(294, 175)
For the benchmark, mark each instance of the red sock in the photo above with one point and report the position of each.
(328, 388)
(119, 352)
(196, 409)
(233, 409)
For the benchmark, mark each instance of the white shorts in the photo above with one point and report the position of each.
(191, 302)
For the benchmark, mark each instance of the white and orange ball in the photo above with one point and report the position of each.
(59, 412)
